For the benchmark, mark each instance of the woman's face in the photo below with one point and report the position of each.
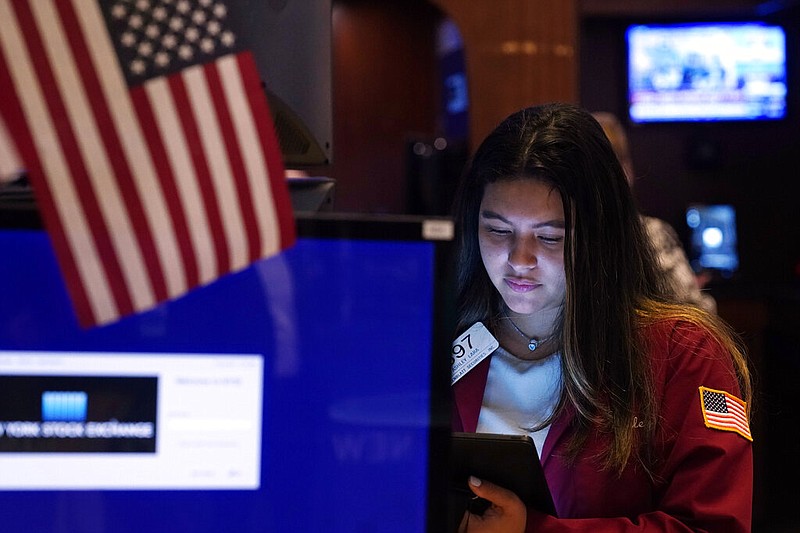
(521, 236)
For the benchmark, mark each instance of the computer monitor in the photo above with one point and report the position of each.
(713, 238)
(306, 393)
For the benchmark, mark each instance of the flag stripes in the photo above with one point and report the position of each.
(126, 146)
(154, 189)
(178, 201)
(37, 137)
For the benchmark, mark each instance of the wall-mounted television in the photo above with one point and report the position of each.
(706, 71)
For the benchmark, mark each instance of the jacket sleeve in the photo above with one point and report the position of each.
(704, 469)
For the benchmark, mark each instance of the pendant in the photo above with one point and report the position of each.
(532, 343)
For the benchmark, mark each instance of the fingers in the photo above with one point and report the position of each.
(506, 514)
(496, 494)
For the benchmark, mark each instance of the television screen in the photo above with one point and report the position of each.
(723, 71)
(301, 394)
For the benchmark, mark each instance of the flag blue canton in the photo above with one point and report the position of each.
(159, 37)
(714, 401)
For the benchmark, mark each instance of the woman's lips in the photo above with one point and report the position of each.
(521, 285)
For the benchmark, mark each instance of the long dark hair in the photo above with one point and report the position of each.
(611, 273)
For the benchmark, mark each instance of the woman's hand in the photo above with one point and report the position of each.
(506, 514)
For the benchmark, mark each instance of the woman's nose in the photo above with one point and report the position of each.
(522, 255)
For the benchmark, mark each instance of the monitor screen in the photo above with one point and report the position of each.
(709, 71)
(713, 238)
(304, 393)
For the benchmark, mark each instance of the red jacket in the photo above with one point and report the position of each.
(704, 475)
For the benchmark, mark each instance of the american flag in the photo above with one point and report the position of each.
(145, 131)
(722, 410)
(11, 166)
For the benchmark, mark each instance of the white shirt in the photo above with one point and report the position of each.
(519, 395)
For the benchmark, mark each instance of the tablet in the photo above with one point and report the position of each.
(510, 461)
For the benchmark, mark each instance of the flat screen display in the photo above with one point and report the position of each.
(713, 244)
(692, 72)
(302, 394)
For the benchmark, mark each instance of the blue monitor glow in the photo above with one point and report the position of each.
(302, 394)
(703, 72)
(713, 238)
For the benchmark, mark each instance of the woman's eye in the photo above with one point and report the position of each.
(498, 231)
(551, 240)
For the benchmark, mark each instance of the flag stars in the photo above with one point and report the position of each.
(160, 14)
(169, 41)
(185, 52)
(137, 66)
(145, 49)
(220, 11)
(161, 59)
(128, 39)
(199, 17)
(192, 34)
(161, 32)
(152, 31)
(118, 11)
(176, 24)
(228, 39)
(207, 45)
(135, 21)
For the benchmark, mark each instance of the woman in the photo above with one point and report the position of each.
(623, 390)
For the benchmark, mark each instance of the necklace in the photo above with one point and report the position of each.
(533, 343)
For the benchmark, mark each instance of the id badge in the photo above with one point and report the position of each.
(470, 348)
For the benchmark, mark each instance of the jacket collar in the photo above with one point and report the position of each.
(468, 397)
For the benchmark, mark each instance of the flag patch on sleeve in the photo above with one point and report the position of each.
(724, 411)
